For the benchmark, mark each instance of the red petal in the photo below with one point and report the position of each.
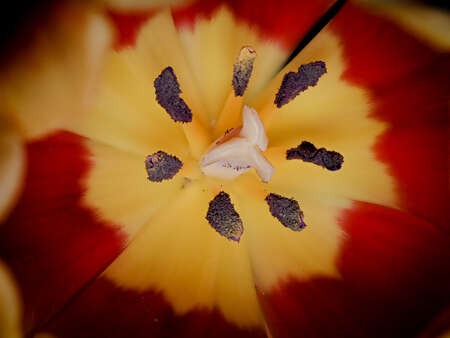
(105, 310)
(127, 26)
(409, 86)
(395, 278)
(53, 243)
(285, 21)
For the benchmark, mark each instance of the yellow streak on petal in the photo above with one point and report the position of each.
(211, 50)
(127, 114)
(277, 252)
(56, 79)
(335, 115)
(10, 305)
(118, 190)
(161, 32)
(179, 254)
(431, 25)
(12, 167)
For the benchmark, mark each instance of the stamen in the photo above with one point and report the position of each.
(223, 217)
(294, 83)
(307, 152)
(242, 70)
(168, 96)
(162, 166)
(287, 211)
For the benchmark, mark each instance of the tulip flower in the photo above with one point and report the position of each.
(240, 169)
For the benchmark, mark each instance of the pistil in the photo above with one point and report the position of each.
(239, 150)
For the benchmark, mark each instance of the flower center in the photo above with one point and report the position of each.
(239, 150)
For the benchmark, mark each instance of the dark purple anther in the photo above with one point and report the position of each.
(294, 83)
(223, 217)
(307, 152)
(287, 211)
(162, 166)
(168, 96)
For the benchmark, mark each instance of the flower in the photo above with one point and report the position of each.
(100, 251)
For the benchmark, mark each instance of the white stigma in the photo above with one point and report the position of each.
(239, 150)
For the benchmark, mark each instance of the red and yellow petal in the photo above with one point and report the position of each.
(392, 265)
(52, 241)
(427, 23)
(387, 109)
(358, 269)
(177, 278)
(105, 309)
(126, 114)
(213, 32)
(394, 279)
(334, 114)
(410, 92)
(285, 22)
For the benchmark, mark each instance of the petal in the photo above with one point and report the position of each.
(412, 99)
(431, 25)
(105, 309)
(52, 241)
(381, 106)
(12, 167)
(117, 188)
(277, 253)
(213, 32)
(127, 114)
(284, 21)
(54, 78)
(10, 305)
(177, 278)
(394, 277)
(127, 26)
(334, 114)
